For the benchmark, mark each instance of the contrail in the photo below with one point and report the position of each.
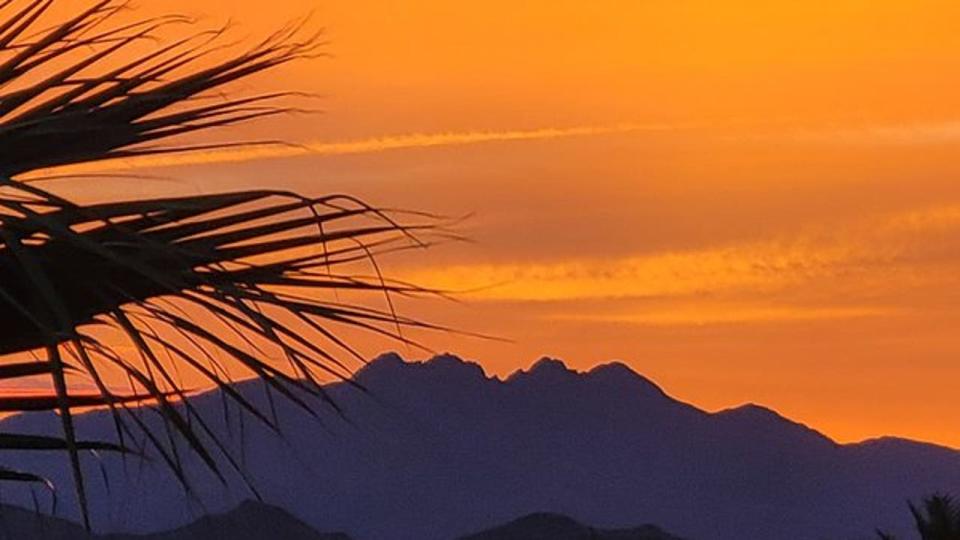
(362, 146)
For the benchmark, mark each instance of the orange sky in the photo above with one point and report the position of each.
(744, 200)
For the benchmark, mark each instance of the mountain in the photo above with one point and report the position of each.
(249, 521)
(556, 527)
(438, 450)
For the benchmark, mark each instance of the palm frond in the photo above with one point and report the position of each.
(220, 285)
(79, 107)
(938, 518)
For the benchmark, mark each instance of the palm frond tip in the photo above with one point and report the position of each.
(80, 106)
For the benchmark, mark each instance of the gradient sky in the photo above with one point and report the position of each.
(743, 200)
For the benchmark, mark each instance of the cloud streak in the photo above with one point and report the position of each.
(890, 134)
(761, 267)
(702, 315)
(810, 276)
(907, 134)
(362, 146)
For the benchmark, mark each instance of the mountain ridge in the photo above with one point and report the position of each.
(249, 521)
(253, 520)
(614, 371)
(546, 526)
(438, 449)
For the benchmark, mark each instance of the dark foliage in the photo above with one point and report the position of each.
(215, 284)
(937, 518)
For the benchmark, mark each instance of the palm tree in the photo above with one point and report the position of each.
(937, 519)
(214, 284)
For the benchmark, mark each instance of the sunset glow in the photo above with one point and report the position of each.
(746, 201)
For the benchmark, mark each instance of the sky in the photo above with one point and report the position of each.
(745, 201)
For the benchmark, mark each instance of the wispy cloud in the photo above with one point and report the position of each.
(944, 132)
(757, 267)
(907, 134)
(851, 270)
(362, 146)
(702, 315)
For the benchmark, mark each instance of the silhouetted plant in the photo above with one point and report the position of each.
(208, 283)
(938, 518)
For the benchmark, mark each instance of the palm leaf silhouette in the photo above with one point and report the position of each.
(214, 283)
(936, 518)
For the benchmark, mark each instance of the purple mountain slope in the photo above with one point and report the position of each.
(248, 521)
(555, 527)
(438, 450)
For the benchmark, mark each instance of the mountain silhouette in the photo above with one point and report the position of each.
(556, 527)
(249, 521)
(438, 450)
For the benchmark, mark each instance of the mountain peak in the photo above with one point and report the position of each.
(545, 368)
(559, 526)
(386, 365)
(751, 410)
(250, 520)
(547, 364)
(387, 360)
(757, 414)
(620, 374)
(615, 368)
(764, 419)
(448, 367)
(451, 361)
(614, 375)
(899, 445)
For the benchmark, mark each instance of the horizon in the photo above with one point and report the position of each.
(507, 377)
(441, 451)
(605, 366)
(744, 203)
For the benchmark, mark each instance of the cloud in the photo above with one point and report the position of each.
(702, 315)
(938, 218)
(758, 267)
(931, 133)
(363, 146)
(859, 269)
(908, 134)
